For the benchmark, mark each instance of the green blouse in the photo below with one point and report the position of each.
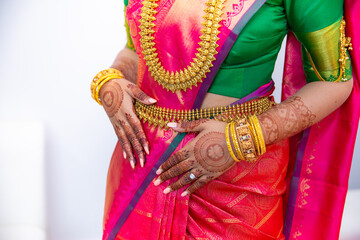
(251, 60)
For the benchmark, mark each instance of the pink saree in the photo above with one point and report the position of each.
(244, 203)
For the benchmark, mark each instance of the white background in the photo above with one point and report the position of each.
(49, 51)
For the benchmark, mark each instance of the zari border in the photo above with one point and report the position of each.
(295, 181)
(152, 174)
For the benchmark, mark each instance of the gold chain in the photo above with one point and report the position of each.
(159, 116)
(196, 71)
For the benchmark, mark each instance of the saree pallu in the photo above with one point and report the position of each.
(321, 156)
(246, 201)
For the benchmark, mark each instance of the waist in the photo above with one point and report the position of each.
(160, 117)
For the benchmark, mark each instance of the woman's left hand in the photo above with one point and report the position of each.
(203, 159)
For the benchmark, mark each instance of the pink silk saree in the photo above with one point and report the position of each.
(244, 203)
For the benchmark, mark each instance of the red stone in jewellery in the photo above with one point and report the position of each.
(196, 71)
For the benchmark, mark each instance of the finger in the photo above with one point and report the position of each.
(138, 94)
(183, 181)
(196, 185)
(138, 130)
(175, 171)
(134, 141)
(189, 126)
(125, 144)
(173, 160)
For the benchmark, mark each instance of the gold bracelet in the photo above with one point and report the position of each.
(101, 83)
(246, 145)
(102, 74)
(100, 79)
(259, 134)
(235, 141)
(229, 144)
(253, 133)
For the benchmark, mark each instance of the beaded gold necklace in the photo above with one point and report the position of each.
(195, 72)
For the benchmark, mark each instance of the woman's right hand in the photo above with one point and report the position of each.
(118, 97)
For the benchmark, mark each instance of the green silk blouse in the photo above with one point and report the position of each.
(251, 60)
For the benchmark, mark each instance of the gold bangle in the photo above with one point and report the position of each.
(246, 140)
(229, 144)
(100, 79)
(235, 141)
(259, 134)
(101, 83)
(94, 85)
(101, 76)
(253, 133)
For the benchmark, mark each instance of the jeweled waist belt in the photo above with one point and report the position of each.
(160, 116)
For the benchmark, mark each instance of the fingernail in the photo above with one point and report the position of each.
(184, 193)
(159, 171)
(157, 182)
(151, 100)
(132, 163)
(167, 190)
(124, 153)
(142, 162)
(146, 148)
(172, 124)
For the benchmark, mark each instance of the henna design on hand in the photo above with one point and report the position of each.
(138, 130)
(175, 159)
(191, 125)
(112, 98)
(176, 170)
(137, 92)
(208, 159)
(196, 185)
(132, 139)
(124, 142)
(128, 66)
(211, 153)
(285, 120)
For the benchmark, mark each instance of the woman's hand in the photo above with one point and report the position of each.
(117, 97)
(203, 159)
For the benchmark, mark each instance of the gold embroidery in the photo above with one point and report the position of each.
(225, 220)
(147, 214)
(345, 44)
(257, 226)
(196, 71)
(237, 200)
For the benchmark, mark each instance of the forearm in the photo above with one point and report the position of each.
(309, 105)
(127, 62)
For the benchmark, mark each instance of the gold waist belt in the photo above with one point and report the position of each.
(160, 116)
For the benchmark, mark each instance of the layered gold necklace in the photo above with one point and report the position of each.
(195, 72)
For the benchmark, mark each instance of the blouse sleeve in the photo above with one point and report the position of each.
(129, 43)
(316, 24)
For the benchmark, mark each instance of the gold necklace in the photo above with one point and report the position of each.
(195, 72)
